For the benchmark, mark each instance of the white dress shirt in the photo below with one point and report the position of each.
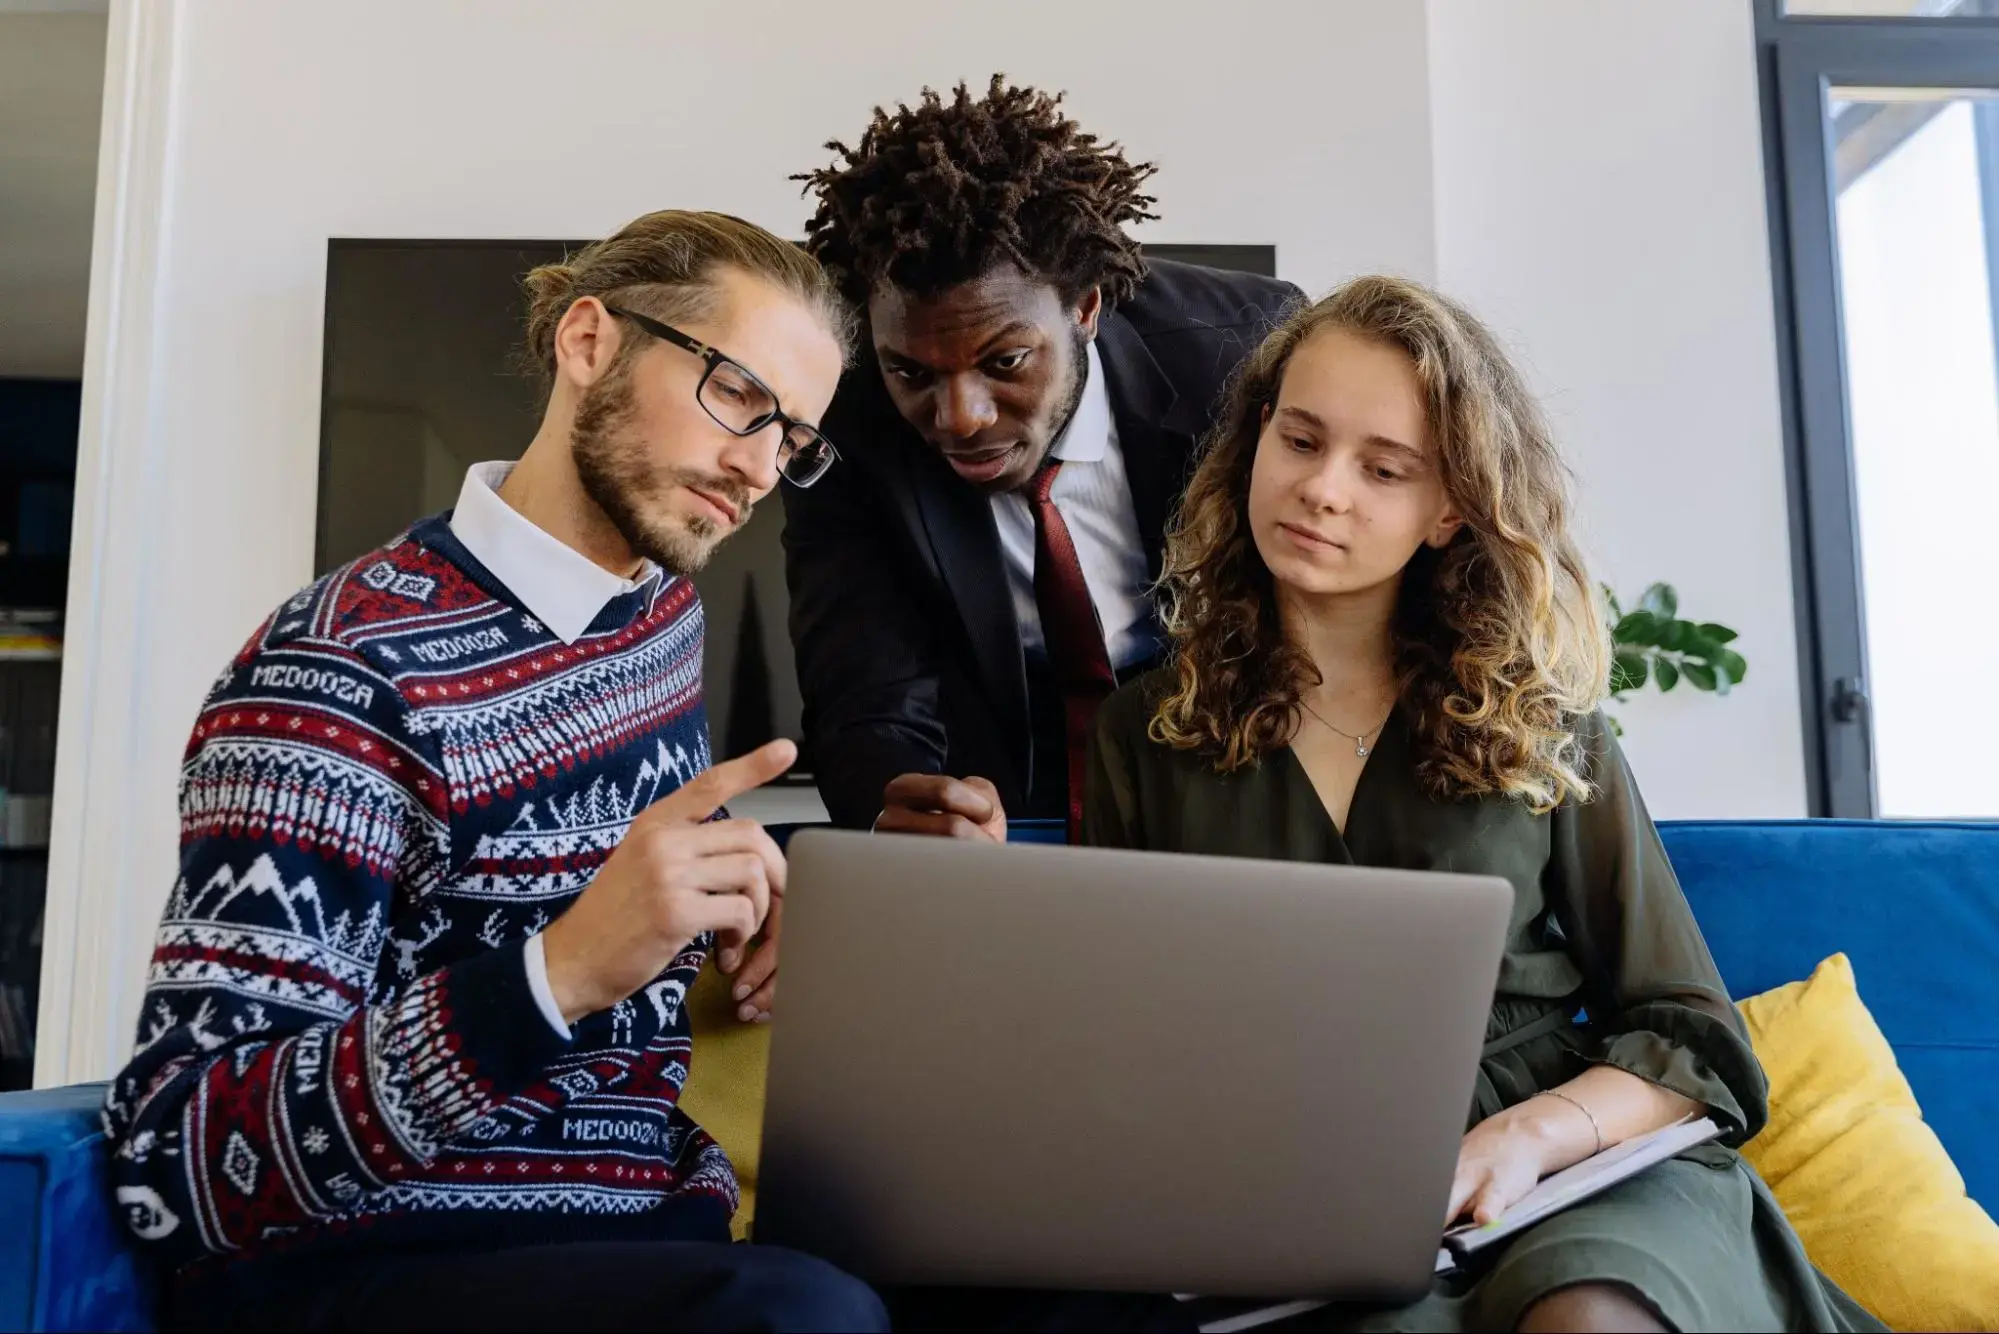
(1093, 497)
(563, 588)
(559, 585)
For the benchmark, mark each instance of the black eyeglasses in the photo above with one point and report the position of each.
(741, 404)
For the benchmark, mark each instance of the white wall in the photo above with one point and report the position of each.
(1600, 201)
(243, 134)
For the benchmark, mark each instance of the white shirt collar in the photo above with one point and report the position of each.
(1091, 429)
(559, 585)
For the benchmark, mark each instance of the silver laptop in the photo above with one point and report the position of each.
(1054, 1067)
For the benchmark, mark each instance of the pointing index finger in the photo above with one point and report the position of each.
(719, 784)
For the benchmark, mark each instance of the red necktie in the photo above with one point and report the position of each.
(1069, 626)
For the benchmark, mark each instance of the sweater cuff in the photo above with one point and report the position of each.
(535, 954)
(458, 1043)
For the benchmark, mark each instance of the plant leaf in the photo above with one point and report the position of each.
(1628, 670)
(1666, 674)
(1694, 644)
(1728, 660)
(1661, 601)
(1720, 634)
(1699, 675)
(1674, 635)
(1637, 627)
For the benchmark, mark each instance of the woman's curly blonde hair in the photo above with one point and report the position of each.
(1500, 645)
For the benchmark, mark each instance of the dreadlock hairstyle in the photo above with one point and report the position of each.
(942, 192)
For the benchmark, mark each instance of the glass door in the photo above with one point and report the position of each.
(1915, 228)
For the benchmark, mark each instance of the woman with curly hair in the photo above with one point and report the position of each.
(1386, 651)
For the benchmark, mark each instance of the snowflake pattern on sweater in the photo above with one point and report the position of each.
(400, 779)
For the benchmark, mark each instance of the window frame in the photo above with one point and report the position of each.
(1800, 58)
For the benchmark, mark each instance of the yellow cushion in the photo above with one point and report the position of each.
(1876, 1200)
(725, 1081)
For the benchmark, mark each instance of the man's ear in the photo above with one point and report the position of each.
(1089, 310)
(586, 342)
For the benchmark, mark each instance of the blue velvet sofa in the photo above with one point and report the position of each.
(1915, 906)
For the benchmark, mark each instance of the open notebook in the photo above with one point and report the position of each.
(1574, 1184)
(1571, 1185)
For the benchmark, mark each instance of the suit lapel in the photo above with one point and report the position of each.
(1156, 429)
(954, 523)
(958, 521)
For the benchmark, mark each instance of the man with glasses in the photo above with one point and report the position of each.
(414, 1035)
(976, 577)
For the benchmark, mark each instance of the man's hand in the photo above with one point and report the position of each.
(913, 804)
(943, 807)
(674, 876)
(756, 985)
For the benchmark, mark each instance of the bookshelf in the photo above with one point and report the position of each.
(38, 424)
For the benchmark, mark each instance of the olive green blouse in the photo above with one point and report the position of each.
(1599, 923)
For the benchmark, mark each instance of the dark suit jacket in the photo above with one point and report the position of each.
(909, 656)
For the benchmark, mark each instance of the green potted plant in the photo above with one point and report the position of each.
(1651, 643)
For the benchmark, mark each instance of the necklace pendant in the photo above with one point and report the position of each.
(1360, 749)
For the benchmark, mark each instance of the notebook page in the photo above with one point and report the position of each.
(1574, 1184)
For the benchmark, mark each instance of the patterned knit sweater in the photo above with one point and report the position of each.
(399, 779)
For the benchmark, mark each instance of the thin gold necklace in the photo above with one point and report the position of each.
(1360, 746)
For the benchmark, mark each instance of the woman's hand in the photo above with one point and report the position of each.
(1505, 1155)
(1500, 1161)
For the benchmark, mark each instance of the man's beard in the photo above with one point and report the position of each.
(616, 475)
(1072, 398)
